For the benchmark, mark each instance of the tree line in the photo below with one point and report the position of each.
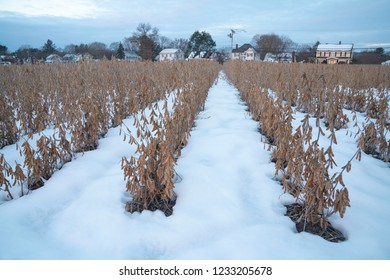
(147, 42)
(279, 44)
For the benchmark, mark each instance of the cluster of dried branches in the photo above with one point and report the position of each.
(79, 103)
(274, 92)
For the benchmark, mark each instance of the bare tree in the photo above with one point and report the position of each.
(306, 52)
(99, 50)
(114, 46)
(165, 42)
(70, 48)
(145, 41)
(272, 43)
(181, 44)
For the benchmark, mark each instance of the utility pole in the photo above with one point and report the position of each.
(231, 36)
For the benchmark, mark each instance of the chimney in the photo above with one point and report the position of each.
(236, 46)
(339, 42)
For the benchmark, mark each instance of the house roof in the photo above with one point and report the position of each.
(269, 57)
(243, 48)
(131, 54)
(168, 51)
(53, 56)
(335, 47)
(200, 54)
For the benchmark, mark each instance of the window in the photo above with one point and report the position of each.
(348, 54)
(337, 54)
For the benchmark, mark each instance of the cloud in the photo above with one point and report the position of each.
(378, 45)
(74, 21)
(75, 9)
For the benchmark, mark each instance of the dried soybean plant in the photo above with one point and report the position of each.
(161, 133)
(149, 175)
(302, 165)
(9, 174)
(40, 163)
(8, 128)
(374, 138)
(5, 172)
(79, 101)
(308, 173)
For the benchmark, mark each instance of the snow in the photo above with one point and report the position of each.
(169, 51)
(229, 205)
(335, 47)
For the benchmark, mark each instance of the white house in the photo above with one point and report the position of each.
(387, 62)
(53, 58)
(132, 56)
(72, 58)
(200, 55)
(279, 58)
(334, 53)
(245, 52)
(171, 54)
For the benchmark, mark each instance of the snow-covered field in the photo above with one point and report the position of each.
(229, 205)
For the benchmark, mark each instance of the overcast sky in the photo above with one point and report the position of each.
(365, 23)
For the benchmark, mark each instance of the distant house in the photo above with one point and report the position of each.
(171, 55)
(201, 54)
(87, 56)
(7, 59)
(245, 52)
(72, 58)
(279, 58)
(53, 58)
(334, 53)
(132, 56)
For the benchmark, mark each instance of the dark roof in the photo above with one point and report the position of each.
(243, 48)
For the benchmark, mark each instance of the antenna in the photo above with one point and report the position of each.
(231, 35)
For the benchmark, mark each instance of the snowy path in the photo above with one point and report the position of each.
(226, 183)
(228, 206)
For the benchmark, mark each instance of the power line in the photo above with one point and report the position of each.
(291, 49)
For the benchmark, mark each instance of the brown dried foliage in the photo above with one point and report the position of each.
(80, 101)
(321, 92)
(160, 136)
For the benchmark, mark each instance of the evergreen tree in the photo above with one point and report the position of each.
(201, 41)
(379, 51)
(120, 53)
(3, 49)
(49, 47)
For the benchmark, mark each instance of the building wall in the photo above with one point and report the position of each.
(334, 56)
(171, 56)
(248, 55)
